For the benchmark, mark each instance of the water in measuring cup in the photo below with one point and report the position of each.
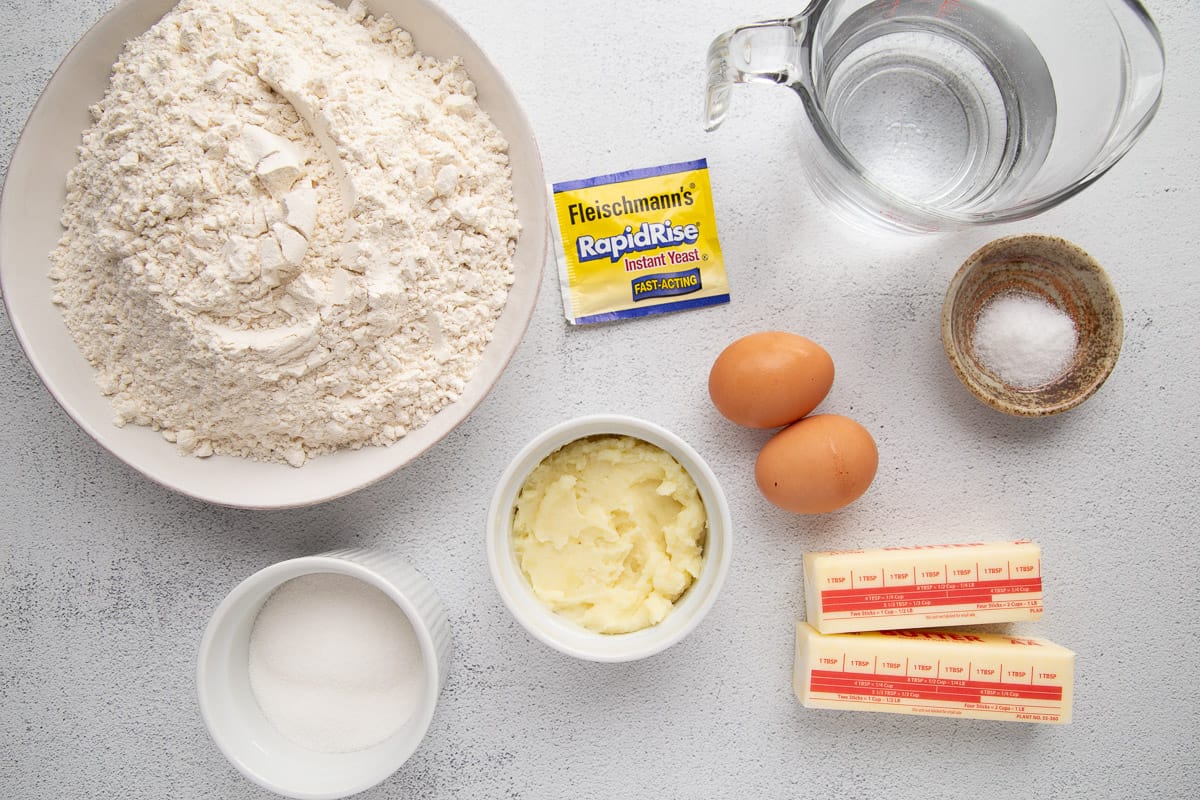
(954, 111)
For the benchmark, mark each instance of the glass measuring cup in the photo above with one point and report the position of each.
(933, 115)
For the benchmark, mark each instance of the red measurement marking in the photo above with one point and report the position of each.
(947, 7)
(972, 691)
(931, 595)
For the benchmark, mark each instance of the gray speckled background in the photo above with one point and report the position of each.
(106, 580)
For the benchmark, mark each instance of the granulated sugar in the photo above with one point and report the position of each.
(288, 232)
(334, 664)
(1023, 340)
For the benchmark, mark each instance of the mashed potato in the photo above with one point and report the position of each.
(609, 531)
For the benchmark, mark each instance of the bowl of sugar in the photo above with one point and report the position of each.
(318, 677)
(1032, 325)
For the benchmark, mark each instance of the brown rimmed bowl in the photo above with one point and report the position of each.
(1063, 275)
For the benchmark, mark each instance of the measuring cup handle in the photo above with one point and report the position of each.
(766, 52)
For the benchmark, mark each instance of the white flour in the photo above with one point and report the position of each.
(288, 232)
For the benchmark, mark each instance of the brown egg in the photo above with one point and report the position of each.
(769, 379)
(821, 463)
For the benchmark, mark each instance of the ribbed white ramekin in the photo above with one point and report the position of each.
(238, 726)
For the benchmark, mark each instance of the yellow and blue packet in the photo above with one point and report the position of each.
(637, 243)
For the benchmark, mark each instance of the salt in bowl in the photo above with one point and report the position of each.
(1057, 272)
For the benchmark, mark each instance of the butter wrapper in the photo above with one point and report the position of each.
(637, 243)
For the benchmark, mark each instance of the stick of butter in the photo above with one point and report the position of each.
(922, 587)
(947, 673)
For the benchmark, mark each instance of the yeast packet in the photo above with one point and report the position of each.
(639, 242)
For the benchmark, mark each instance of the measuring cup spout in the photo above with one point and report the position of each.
(768, 52)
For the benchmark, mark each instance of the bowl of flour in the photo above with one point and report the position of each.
(281, 249)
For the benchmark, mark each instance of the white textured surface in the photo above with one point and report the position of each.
(106, 581)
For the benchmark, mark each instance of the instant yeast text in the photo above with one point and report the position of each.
(920, 587)
(638, 242)
(949, 673)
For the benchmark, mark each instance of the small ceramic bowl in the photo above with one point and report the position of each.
(556, 630)
(243, 733)
(1061, 274)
